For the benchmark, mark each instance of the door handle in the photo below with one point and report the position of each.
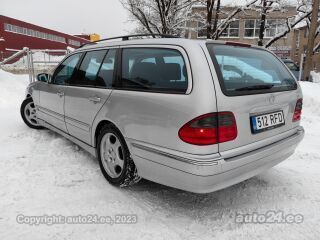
(60, 94)
(94, 99)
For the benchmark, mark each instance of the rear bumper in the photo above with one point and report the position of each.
(208, 173)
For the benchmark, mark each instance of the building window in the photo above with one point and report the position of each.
(251, 28)
(232, 31)
(272, 27)
(7, 27)
(33, 33)
(74, 43)
(202, 30)
(275, 26)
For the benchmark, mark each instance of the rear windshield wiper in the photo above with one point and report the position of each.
(255, 87)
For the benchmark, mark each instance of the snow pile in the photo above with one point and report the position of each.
(315, 76)
(42, 173)
(12, 89)
(311, 99)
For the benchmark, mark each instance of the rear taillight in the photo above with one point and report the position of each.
(297, 111)
(210, 129)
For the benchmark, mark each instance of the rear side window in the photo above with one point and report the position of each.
(105, 76)
(152, 69)
(89, 69)
(245, 70)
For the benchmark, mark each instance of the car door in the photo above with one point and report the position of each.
(52, 95)
(88, 91)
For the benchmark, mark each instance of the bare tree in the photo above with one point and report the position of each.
(312, 33)
(217, 16)
(264, 8)
(304, 10)
(317, 46)
(211, 19)
(159, 16)
(265, 4)
(289, 27)
(210, 7)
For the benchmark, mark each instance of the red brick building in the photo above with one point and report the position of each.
(16, 34)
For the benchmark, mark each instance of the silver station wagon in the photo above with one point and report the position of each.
(194, 115)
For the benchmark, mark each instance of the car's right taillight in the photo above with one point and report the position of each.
(297, 111)
(210, 129)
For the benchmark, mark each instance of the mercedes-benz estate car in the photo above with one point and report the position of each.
(197, 115)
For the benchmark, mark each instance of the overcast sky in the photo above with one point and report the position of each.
(105, 17)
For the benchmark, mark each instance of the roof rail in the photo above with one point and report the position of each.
(127, 37)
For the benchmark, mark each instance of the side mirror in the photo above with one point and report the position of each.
(43, 77)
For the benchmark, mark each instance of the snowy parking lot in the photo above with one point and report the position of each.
(42, 173)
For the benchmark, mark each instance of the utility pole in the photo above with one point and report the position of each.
(312, 32)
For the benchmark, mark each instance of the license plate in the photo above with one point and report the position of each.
(263, 122)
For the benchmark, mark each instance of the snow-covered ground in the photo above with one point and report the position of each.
(315, 76)
(41, 173)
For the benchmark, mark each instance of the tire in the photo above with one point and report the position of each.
(114, 158)
(28, 114)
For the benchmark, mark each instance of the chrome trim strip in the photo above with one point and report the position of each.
(50, 112)
(199, 160)
(297, 134)
(251, 147)
(76, 123)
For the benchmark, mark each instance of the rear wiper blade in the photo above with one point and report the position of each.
(255, 87)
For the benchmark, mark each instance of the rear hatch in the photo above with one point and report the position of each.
(258, 89)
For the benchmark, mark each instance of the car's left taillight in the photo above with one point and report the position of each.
(297, 111)
(208, 129)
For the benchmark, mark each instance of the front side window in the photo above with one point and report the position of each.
(89, 68)
(65, 70)
(152, 69)
(247, 70)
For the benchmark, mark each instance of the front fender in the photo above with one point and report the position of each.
(32, 90)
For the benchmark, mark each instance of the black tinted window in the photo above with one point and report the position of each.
(151, 69)
(66, 69)
(247, 70)
(106, 71)
(89, 68)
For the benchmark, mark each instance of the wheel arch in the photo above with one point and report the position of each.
(98, 128)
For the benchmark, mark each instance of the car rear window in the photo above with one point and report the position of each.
(245, 70)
